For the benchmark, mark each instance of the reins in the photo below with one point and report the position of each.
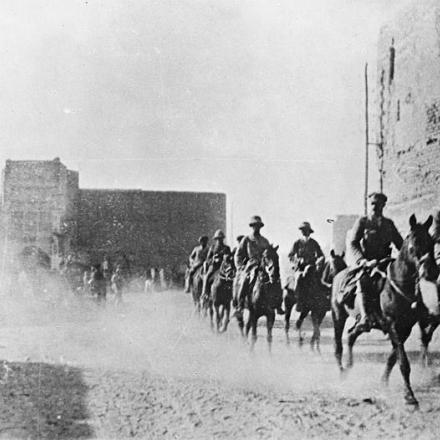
(395, 286)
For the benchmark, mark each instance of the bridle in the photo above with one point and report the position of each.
(415, 280)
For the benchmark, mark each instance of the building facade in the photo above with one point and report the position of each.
(408, 102)
(39, 206)
(43, 206)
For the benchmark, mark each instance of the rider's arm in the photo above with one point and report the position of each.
(396, 238)
(318, 250)
(241, 255)
(293, 252)
(355, 242)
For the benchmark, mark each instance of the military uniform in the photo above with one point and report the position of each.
(371, 240)
(214, 260)
(247, 261)
(196, 259)
(304, 252)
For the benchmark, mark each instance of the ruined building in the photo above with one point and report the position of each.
(43, 206)
(408, 100)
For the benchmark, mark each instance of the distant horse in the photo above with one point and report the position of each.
(400, 303)
(221, 294)
(196, 288)
(262, 300)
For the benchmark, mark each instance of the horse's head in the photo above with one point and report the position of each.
(227, 267)
(336, 262)
(418, 249)
(270, 262)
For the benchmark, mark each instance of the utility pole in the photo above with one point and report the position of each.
(378, 145)
(367, 141)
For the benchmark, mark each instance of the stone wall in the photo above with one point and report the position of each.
(38, 205)
(408, 99)
(43, 206)
(153, 229)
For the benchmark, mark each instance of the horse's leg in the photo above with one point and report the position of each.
(212, 312)
(240, 322)
(288, 308)
(227, 312)
(317, 318)
(391, 361)
(298, 325)
(353, 334)
(219, 316)
(270, 320)
(339, 317)
(248, 323)
(253, 319)
(426, 336)
(398, 337)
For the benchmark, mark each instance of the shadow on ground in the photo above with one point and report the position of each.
(42, 401)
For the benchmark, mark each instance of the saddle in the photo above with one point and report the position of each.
(347, 289)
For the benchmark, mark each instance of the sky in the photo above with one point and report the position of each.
(262, 100)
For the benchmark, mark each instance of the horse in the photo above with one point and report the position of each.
(196, 288)
(399, 304)
(221, 294)
(262, 300)
(311, 294)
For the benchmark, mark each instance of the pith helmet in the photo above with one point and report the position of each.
(203, 238)
(256, 220)
(378, 197)
(305, 226)
(218, 234)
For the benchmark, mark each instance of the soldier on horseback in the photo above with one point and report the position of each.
(304, 255)
(196, 260)
(371, 242)
(235, 249)
(305, 251)
(247, 261)
(214, 259)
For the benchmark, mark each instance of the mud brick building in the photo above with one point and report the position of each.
(42, 205)
(408, 102)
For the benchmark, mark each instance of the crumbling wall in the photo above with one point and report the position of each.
(409, 105)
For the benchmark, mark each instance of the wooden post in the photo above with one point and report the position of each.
(367, 141)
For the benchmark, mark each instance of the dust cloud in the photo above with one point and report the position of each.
(159, 333)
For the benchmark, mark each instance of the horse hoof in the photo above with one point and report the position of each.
(343, 373)
(412, 401)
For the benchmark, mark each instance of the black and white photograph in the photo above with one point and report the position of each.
(220, 219)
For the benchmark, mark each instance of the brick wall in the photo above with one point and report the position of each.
(408, 99)
(153, 228)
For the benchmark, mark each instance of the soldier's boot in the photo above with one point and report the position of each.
(187, 284)
(364, 322)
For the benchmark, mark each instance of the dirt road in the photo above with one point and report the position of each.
(152, 370)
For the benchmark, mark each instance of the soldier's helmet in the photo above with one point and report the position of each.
(256, 221)
(218, 234)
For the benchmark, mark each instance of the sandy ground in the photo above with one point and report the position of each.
(151, 369)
